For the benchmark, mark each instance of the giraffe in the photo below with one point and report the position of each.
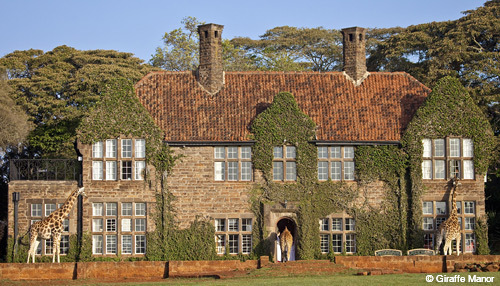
(51, 226)
(450, 228)
(286, 241)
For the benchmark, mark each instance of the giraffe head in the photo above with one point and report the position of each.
(81, 191)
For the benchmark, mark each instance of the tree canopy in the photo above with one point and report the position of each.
(57, 88)
(467, 48)
(15, 125)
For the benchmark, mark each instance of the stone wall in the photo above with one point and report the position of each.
(197, 193)
(42, 192)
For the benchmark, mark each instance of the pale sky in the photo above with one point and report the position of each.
(138, 26)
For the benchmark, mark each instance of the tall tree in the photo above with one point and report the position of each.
(56, 89)
(180, 51)
(15, 126)
(467, 48)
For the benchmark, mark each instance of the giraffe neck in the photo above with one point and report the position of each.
(68, 205)
(453, 212)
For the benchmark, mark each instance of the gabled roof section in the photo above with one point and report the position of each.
(379, 109)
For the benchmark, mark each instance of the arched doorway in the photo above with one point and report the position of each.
(292, 227)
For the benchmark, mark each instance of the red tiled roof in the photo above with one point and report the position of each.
(377, 110)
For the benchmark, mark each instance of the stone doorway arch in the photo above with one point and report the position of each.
(292, 227)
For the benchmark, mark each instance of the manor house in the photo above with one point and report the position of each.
(206, 116)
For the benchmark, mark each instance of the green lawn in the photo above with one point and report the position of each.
(337, 279)
(260, 278)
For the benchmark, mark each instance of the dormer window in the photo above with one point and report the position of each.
(445, 158)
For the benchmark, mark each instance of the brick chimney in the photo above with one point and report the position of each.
(210, 73)
(355, 54)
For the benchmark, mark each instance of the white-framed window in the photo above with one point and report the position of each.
(110, 170)
(427, 208)
(97, 244)
(127, 244)
(337, 243)
(469, 207)
(111, 224)
(36, 210)
(119, 226)
(324, 224)
(97, 225)
(140, 209)
(324, 242)
(129, 165)
(232, 224)
(233, 243)
(49, 208)
(111, 244)
(126, 170)
(140, 148)
(434, 213)
(350, 243)
(140, 167)
(111, 148)
(246, 243)
(336, 163)
(220, 224)
(126, 209)
(428, 223)
(111, 209)
(445, 158)
(336, 224)
(126, 224)
(140, 244)
(126, 148)
(140, 224)
(349, 224)
(246, 224)
(97, 170)
(470, 243)
(284, 164)
(97, 209)
(220, 243)
(233, 163)
(235, 232)
(97, 149)
(340, 229)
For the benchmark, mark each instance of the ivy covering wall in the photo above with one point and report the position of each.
(396, 223)
(448, 111)
(120, 113)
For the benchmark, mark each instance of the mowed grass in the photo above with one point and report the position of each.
(260, 278)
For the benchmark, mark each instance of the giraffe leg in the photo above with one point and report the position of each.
(33, 246)
(447, 247)
(56, 238)
(459, 240)
(439, 241)
(33, 253)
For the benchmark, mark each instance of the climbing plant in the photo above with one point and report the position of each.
(386, 164)
(283, 123)
(396, 220)
(448, 111)
(129, 118)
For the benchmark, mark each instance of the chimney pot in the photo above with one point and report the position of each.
(210, 72)
(354, 47)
